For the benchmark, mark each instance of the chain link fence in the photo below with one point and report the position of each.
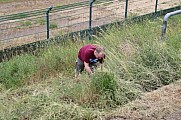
(27, 27)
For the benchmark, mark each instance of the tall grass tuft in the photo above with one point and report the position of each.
(60, 58)
(112, 92)
(17, 70)
(104, 82)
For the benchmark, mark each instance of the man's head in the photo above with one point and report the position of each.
(99, 52)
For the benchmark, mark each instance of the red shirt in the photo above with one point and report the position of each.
(86, 54)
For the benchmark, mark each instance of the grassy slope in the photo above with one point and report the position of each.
(156, 105)
(135, 55)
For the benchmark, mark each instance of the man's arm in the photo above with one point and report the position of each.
(87, 68)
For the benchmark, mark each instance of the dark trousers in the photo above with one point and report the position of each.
(79, 67)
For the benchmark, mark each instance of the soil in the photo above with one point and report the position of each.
(29, 5)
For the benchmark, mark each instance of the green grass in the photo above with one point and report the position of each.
(53, 26)
(2, 1)
(15, 72)
(26, 23)
(17, 16)
(137, 61)
(41, 21)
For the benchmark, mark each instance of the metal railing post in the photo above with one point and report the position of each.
(156, 6)
(47, 20)
(164, 26)
(126, 9)
(90, 19)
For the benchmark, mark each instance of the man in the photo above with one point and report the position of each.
(88, 57)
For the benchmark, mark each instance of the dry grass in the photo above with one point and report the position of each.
(155, 105)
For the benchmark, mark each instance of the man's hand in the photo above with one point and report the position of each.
(87, 68)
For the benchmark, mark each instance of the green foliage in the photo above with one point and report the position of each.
(60, 58)
(134, 53)
(160, 65)
(79, 93)
(174, 42)
(61, 32)
(138, 57)
(26, 23)
(3, 1)
(18, 16)
(41, 21)
(111, 91)
(53, 25)
(127, 91)
(105, 85)
(15, 71)
(104, 82)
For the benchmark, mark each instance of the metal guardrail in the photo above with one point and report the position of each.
(164, 26)
(8, 53)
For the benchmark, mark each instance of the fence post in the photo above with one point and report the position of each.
(90, 19)
(47, 20)
(156, 5)
(126, 9)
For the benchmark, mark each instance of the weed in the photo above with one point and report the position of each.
(26, 23)
(41, 21)
(53, 25)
